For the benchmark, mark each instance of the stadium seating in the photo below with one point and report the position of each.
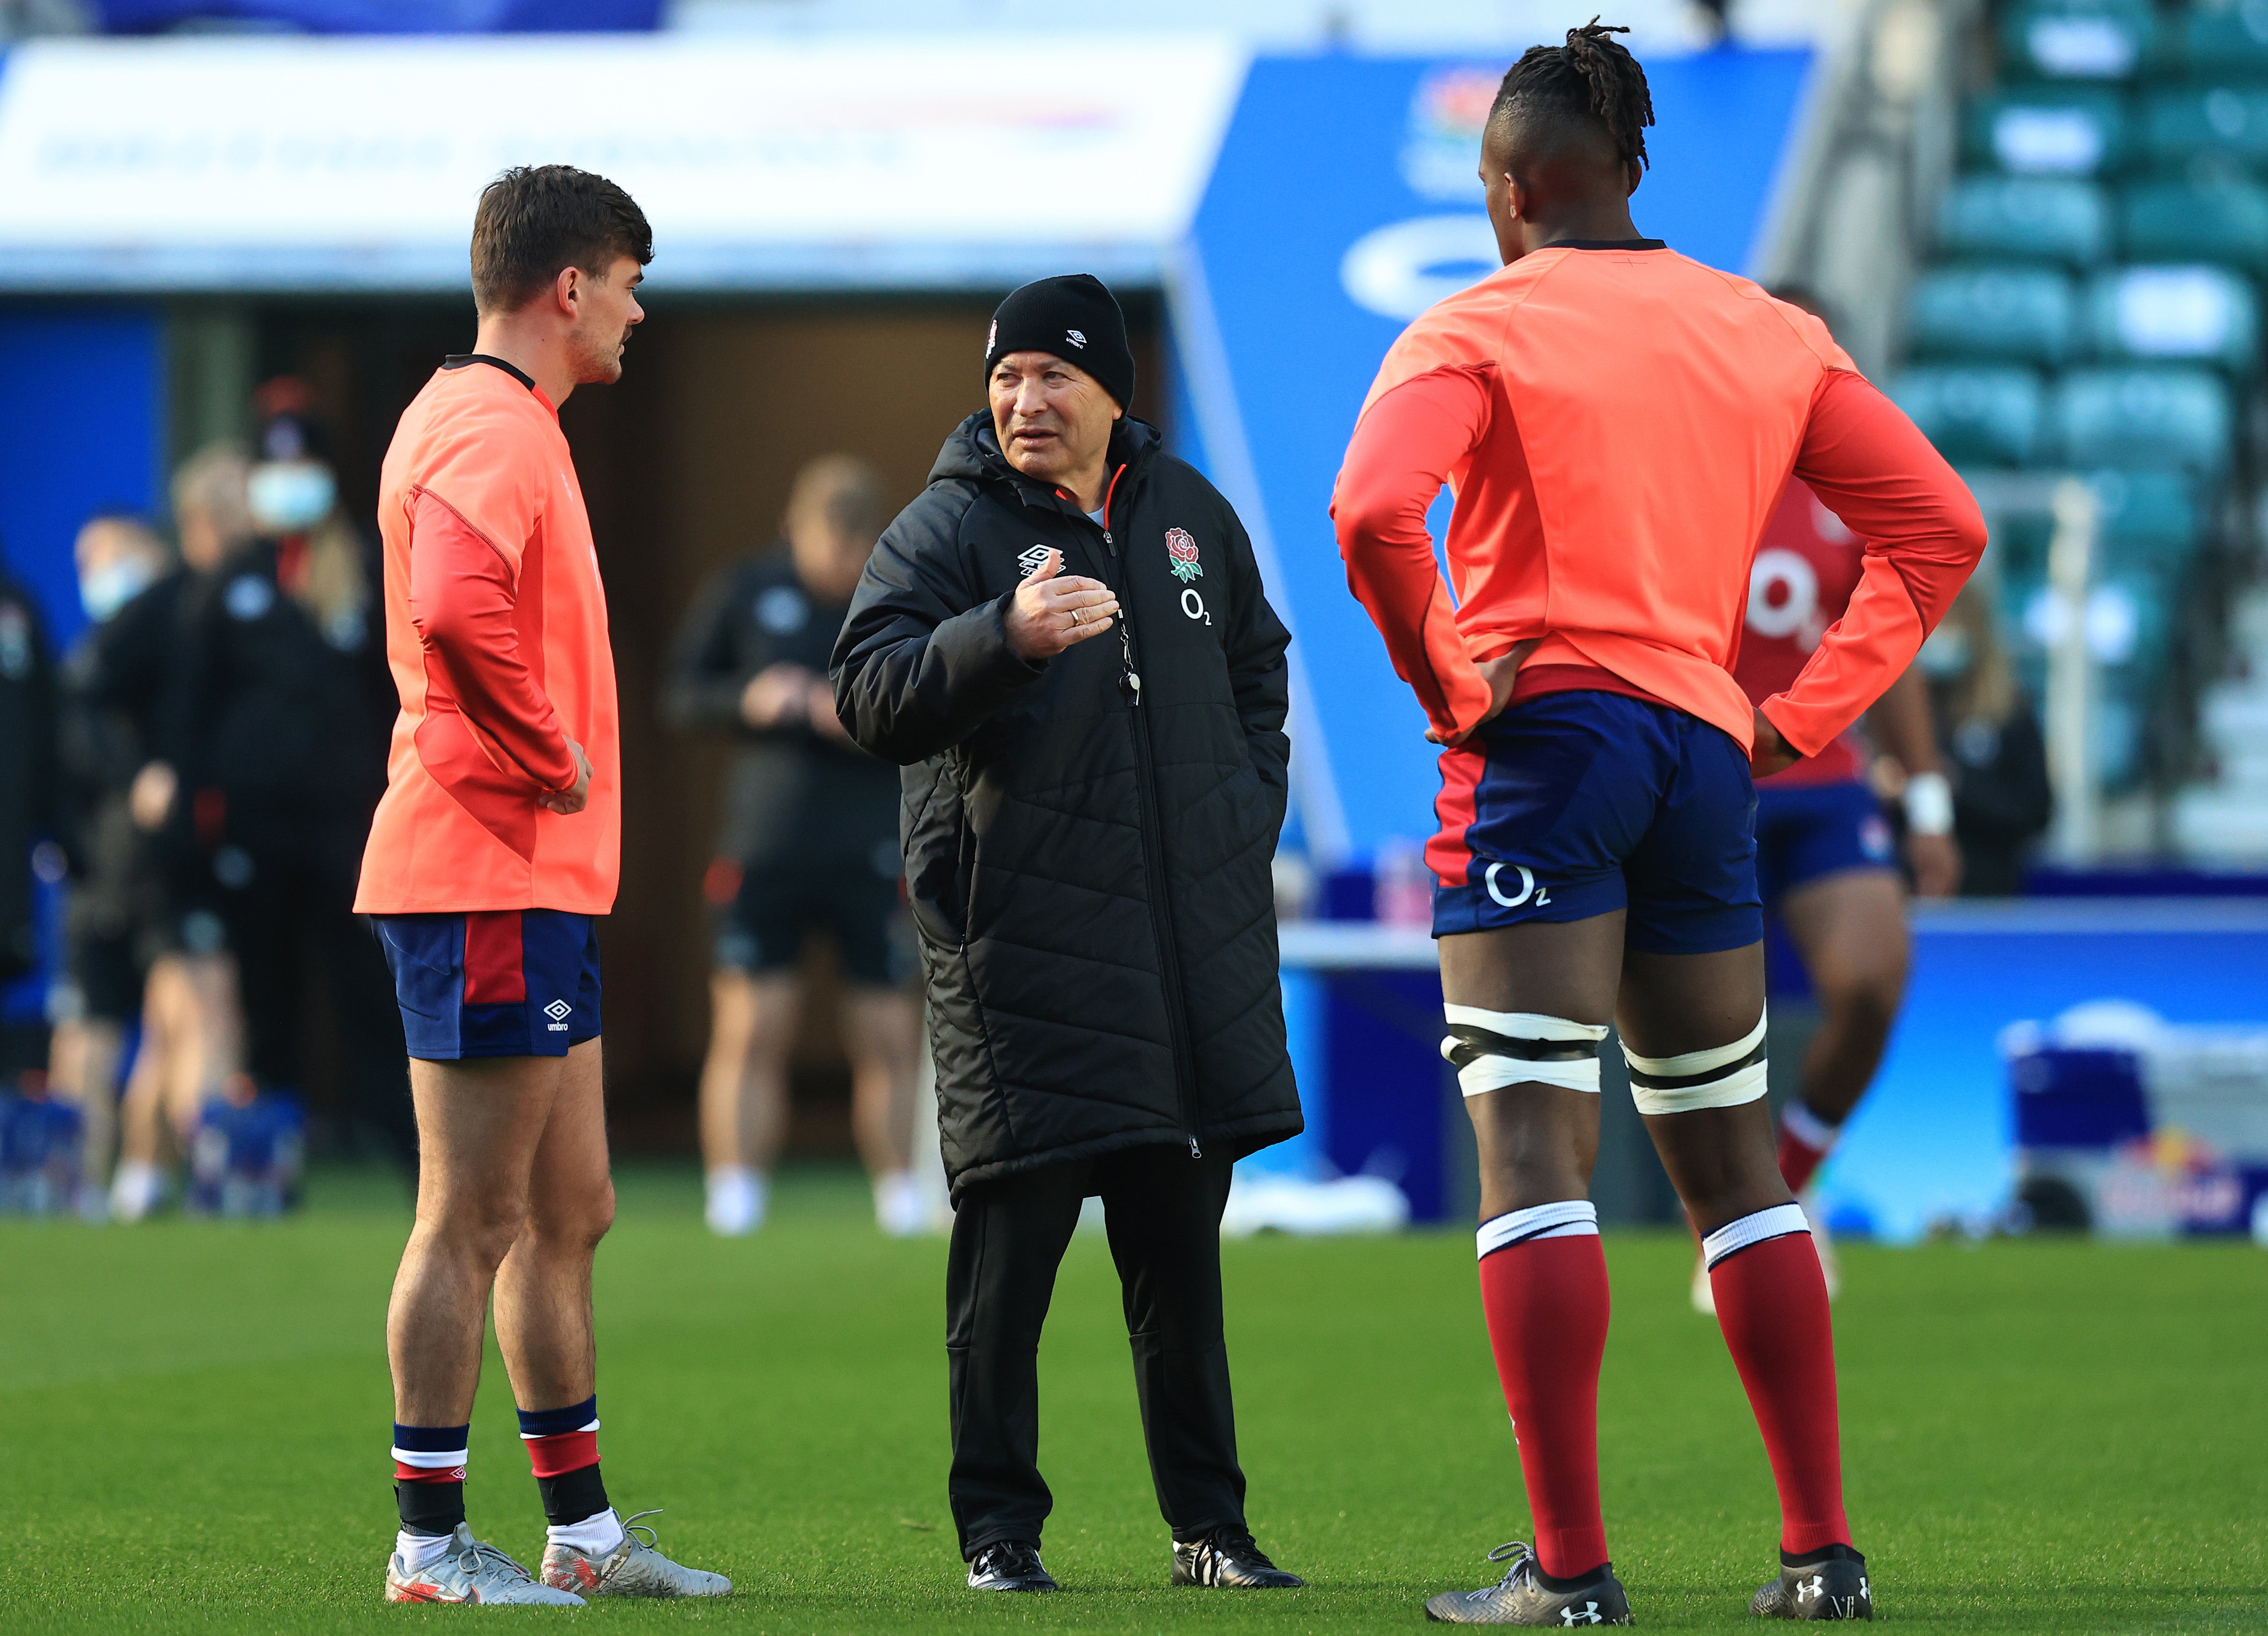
(2189, 123)
(2205, 314)
(2142, 417)
(1976, 416)
(2020, 314)
(2097, 40)
(2226, 38)
(2048, 130)
(2149, 520)
(2196, 221)
(2025, 218)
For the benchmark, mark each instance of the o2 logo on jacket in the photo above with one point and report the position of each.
(1784, 598)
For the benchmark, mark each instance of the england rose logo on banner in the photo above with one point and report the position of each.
(1182, 555)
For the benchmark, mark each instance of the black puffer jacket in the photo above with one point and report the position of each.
(1090, 876)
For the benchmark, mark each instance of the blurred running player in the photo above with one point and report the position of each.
(496, 848)
(1618, 423)
(1826, 864)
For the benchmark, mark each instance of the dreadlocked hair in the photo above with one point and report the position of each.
(1591, 74)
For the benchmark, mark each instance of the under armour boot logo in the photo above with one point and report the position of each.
(1812, 1588)
(1587, 1614)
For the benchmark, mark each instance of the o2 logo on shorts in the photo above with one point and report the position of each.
(1531, 893)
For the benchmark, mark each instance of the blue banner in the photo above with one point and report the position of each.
(1346, 200)
(388, 17)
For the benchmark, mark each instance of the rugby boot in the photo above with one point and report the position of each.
(633, 1569)
(1521, 1598)
(1010, 1565)
(472, 1570)
(1830, 1586)
(1229, 1557)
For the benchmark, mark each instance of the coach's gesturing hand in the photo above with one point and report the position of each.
(565, 801)
(1050, 611)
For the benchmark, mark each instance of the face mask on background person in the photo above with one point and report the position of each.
(291, 496)
(112, 586)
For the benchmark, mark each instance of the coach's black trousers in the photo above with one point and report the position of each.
(1163, 1210)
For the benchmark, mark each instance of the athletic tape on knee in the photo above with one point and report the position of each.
(1493, 1049)
(1782, 1220)
(1570, 1218)
(1721, 1076)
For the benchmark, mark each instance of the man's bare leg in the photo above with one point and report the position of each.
(881, 1036)
(1851, 930)
(480, 1124)
(1771, 1297)
(744, 1093)
(543, 1286)
(1543, 1277)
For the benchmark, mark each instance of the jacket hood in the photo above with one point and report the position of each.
(972, 452)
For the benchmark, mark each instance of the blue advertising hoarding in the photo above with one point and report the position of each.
(1346, 200)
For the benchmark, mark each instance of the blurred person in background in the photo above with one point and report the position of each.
(28, 789)
(278, 739)
(2002, 801)
(109, 923)
(809, 838)
(1827, 863)
(192, 1046)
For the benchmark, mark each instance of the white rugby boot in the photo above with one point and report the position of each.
(633, 1569)
(472, 1570)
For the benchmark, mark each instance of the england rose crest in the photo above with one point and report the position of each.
(1182, 555)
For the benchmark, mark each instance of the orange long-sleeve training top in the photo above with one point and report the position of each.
(495, 629)
(1617, 425)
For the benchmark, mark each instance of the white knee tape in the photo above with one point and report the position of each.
(1720, 1076)
(1493, 1049)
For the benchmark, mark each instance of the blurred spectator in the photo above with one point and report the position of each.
(27, 771)
(280, 737)
(2001, 798)
(810, 837)
(112, 926)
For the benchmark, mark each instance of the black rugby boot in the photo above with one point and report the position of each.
(1228, 1558)
(1829, 1584)
(1011, 1564)
(1521, 1598)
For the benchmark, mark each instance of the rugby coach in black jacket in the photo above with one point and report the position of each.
(1066, 644)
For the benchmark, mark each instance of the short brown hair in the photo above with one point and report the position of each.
(535, 219)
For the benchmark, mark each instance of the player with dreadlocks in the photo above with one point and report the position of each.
(1618, 423)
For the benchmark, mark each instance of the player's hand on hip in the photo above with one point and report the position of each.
(1499, 674)
(1052, 610)
(567, 802)
(1772, 754)
(1936, 861)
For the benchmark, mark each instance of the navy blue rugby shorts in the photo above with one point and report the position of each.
(1808, 831)
(496, 983)
(1573, 804)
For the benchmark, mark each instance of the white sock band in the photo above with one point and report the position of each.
(420, 1552)
(1782, 1220)
(594, 1536)
(1493, 1049)
(1809, 1128)
(1570, 1218)
(425, 1461)
(1720, 1076)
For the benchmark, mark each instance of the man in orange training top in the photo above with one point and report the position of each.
(495, 849)
(1618, 423)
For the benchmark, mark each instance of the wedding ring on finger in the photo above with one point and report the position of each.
(1078, 616)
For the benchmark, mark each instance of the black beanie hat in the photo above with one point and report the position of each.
(1074, 316)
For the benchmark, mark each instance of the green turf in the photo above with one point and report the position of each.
(2040, 1437)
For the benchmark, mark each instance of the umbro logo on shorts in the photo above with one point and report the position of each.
(1033, 560)
(558, 1011)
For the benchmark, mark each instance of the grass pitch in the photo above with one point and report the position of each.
(2049, 1437)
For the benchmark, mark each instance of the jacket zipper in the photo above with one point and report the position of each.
(1153, 855)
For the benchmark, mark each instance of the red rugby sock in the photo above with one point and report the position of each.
(1805, 1142)
(1546, 1302)
(1772, 1303)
